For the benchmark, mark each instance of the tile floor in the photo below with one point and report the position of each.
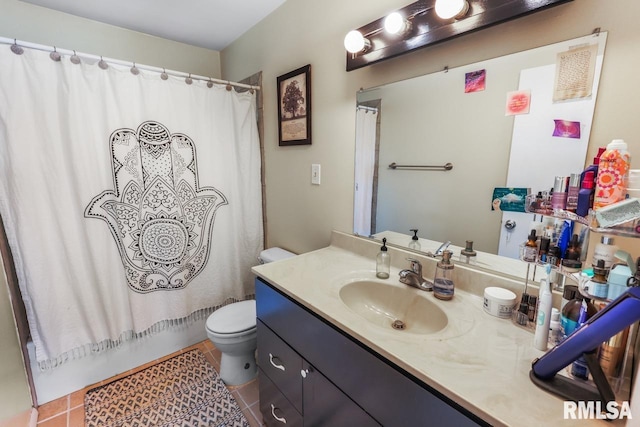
(68, 411)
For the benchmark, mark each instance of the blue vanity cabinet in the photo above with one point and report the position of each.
(376, 387)
(294, 393)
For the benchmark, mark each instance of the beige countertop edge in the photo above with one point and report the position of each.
(478, 361)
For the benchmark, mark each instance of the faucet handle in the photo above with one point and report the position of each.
(416, 267)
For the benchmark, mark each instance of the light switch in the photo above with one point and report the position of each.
(315, 174)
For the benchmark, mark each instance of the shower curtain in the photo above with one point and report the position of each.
(364, 169)
(132, 203)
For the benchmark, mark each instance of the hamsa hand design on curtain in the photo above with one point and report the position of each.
(159, 216)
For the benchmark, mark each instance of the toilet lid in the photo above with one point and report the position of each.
(233, 318)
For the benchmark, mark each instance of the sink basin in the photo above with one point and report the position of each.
(393, 307)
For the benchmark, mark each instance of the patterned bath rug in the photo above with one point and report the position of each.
(182, 391)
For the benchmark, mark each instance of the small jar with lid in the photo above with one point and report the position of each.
(443, 285)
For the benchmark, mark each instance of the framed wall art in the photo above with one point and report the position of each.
(294, 107)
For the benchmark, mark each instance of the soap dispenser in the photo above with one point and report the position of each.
(383, 261)
(415, 243)
(468, 255)
(443, 286)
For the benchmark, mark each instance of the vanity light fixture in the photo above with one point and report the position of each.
(451, 9)
(427, 22)
(355, 42)
(396, 24)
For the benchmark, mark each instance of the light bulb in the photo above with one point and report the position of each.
(447, 9)
(354, 42)
(394, 23)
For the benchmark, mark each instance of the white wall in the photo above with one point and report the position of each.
(35, 24)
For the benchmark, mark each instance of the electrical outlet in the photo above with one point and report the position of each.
(315, 174)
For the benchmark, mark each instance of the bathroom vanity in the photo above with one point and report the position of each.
(327, 357)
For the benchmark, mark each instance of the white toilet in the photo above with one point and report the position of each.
(232, 329)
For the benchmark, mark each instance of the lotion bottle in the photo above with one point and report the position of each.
(541, 337)
(383, 261)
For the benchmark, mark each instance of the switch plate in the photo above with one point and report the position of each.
(315, 174)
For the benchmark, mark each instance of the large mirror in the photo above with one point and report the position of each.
(441, 119)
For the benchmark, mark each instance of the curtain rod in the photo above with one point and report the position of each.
(21, 43)
(364, 107)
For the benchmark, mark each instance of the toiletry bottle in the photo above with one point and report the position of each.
(468, 255)
(573, 251)
(598, 286)
(585, 195)
(383, 261)
(541, 337)
(571, 312)
(572, 192)
(533, 306)
(415, 243)
(593, 167)
(553, 256)
(530, 251)
(613, 174)
(606, 251)
(568, 293)
(612, 353)
(555, 328)
(544, 249)
(443, 285)
(559, 196)
(522, 315)
(579, 368)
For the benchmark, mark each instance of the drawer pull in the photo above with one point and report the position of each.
(281, 367)
(273, 414)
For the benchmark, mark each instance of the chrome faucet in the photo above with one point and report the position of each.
(413, 277)
(443, 247)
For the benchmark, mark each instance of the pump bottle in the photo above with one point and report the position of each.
(383, 261)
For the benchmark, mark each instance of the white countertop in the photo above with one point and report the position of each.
(479, 361)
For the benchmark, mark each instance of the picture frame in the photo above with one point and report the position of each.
(294, 107)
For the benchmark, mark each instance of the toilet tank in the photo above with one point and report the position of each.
(274, 254)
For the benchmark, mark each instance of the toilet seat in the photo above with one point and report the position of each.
(233, 318)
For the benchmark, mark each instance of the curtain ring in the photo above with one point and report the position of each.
(16, 49)
(229, 86)
(164, 75)
(103, 64)
(210, 83)
(134, 70)
(188, 80)
(75, 58)
(55, 56)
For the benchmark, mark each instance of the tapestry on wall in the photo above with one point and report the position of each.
(172, 172)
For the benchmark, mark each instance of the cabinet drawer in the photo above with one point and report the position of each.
(281, 364)
(276, 409)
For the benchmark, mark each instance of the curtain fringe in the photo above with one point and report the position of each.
(163, 325)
